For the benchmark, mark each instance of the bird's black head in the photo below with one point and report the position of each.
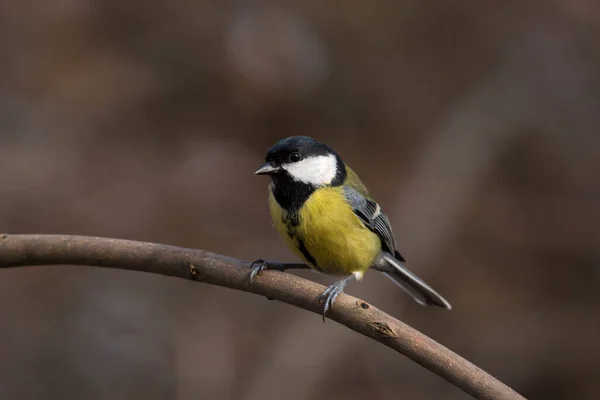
(298, 165)
(304, 160)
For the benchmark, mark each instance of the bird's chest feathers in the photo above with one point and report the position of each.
(326, 233)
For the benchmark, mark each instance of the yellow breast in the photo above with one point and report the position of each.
(329, 231)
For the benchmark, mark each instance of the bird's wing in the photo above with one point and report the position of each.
(373, 217)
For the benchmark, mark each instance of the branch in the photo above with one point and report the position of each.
(203, 266)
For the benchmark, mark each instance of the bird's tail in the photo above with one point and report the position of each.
(419, 290)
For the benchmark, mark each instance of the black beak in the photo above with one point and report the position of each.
(267, 168)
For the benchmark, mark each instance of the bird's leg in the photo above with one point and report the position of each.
(258, 266)
(332, 292)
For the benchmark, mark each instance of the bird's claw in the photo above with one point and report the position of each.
(256, 268)
(329, 295)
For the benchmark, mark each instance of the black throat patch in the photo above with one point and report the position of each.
(290, 195)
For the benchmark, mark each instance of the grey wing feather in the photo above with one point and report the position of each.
(373, 217)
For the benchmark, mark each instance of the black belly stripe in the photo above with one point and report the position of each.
(306, 253)
(294, 218)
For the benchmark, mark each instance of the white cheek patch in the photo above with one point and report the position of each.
(317, 171)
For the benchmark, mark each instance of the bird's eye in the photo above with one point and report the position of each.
(295, 157)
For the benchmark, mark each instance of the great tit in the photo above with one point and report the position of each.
(328, 218)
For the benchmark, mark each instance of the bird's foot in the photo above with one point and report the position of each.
(258, 266)
(331, 293)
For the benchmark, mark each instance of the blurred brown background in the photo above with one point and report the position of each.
(475, 124)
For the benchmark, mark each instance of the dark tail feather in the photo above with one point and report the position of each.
(419, 290)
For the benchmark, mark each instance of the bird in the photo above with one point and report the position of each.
(328, 218)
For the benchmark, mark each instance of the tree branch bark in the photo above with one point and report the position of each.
(203, 266)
